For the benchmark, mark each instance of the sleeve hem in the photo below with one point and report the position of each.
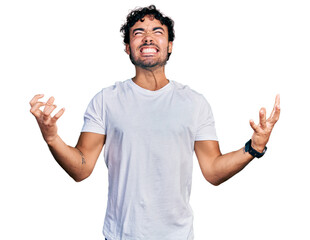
(93, 130)
(206, 138)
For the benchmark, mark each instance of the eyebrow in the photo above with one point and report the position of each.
(142, 29)
(137, 29)
(156, 28)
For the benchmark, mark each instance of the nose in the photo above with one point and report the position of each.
(147, 38)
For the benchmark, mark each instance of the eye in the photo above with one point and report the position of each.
(158, 32)
(137, 33)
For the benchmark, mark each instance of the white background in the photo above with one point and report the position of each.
(239, 54)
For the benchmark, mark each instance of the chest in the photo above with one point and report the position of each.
(161, 117)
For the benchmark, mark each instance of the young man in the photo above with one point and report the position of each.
(150, 127)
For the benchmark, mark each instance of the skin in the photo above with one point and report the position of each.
(149, 33)
(216, 167)
(79, 161)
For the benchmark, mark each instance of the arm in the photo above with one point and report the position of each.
(216, 167)
(77, 161)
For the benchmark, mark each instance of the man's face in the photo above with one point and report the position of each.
(148, 45)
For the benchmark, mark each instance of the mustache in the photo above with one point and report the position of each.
(150, 44)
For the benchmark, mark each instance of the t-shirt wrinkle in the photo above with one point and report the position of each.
(148, 151)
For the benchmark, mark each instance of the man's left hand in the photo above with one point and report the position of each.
(263, 130)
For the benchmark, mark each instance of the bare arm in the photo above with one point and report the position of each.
(216, 167)
(77, 161)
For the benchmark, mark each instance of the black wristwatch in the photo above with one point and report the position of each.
(252, 151)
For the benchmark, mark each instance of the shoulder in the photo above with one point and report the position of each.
(188, 92)
(112, 90)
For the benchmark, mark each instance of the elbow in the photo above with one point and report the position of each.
(82, 174)
(215, 180)
(215, 183)
(80, 177)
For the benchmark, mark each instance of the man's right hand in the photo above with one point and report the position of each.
(46, 123)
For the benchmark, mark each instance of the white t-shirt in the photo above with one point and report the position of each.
(148, 151)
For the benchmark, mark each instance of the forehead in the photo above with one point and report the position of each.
(149, 22)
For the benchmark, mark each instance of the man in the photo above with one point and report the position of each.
(150, 127)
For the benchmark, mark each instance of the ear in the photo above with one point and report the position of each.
(170, 47)
(127, 49)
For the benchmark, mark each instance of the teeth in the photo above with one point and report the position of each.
(149, 50)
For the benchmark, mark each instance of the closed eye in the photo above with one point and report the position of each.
(136, 33)
(158, 30)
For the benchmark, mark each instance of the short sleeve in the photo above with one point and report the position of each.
(94, 117)
(205, 123)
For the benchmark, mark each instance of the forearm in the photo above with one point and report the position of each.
(69, 158)
(227, 165)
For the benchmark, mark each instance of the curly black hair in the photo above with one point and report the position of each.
(138, 14)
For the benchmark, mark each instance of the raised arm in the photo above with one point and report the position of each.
(78, 161)
(217, 168)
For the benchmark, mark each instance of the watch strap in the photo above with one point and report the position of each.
(252, 151)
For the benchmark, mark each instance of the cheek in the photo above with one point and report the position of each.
(163, 42)
(164, 47)
(134, 44)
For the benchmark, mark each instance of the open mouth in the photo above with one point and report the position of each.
(149, 50)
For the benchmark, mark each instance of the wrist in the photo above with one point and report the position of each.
(52, 141)
(258, 148)
(254, 152)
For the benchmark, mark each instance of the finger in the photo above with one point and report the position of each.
(48, 111)
(35, 109)
(262, 118)
(58, 115)
(254, 126)
(50, 101)
(49, 104)
(275, 114)
(35, 99)
(277, 103)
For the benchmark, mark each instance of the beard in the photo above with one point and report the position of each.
(149, 63)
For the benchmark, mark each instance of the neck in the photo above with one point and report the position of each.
(151, 79)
